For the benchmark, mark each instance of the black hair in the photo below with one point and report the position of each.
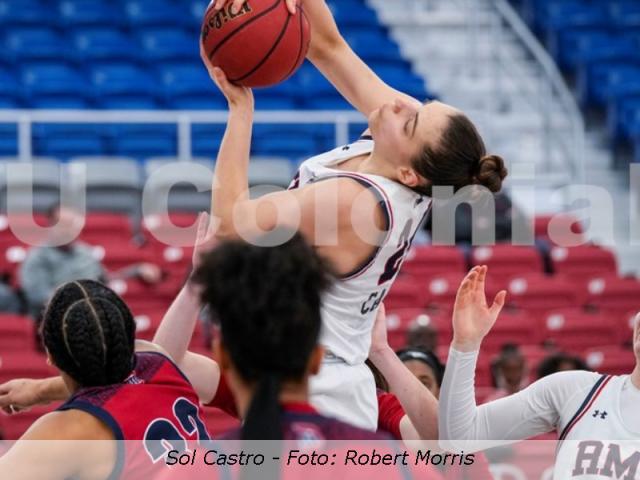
(267, 301)
(550, 365)
(427, 357)
(89, 333)
(380, 379)
(459, 159)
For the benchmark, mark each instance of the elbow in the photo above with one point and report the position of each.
(324, 49)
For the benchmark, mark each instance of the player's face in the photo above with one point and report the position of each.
(636, 338)
(425, 374)
(401, 129)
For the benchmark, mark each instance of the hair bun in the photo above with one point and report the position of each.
(491, 172)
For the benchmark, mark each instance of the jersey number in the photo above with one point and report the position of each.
(164, 435)
(395, 261)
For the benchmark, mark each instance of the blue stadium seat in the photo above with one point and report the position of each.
(31, 43)
(196, 13)
(17, 13)
(372, 45)
(53, 80)
(623, 118)
(353, 14)
(69, 141)
(205, 139)
(326, 102)
(154, 13)
(582, 47)
(144, 140)
(123, 81)
(8, 140)
(75, 13)
(103, 44)
(188, 86)
(166, 45)
(286, 144)
(310, 81)
(58, 102)
(403, 79)
(560, 15)
(601, 82)
(9, 88)
(625, 13)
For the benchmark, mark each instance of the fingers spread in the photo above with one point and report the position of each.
(498, 302)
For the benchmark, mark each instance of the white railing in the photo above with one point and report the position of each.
(24, 119)
(554, 92)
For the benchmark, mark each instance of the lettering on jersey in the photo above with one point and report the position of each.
(394, 263)
(593, 459)
(219, 19)
(163, 435)
(598, 413)
(373, 302)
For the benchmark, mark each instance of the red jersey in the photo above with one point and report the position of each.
(155, 405)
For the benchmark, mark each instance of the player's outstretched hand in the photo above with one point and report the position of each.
(19, 395)
(236, 4)
(237, 95)
(205, 239)
(472, 317)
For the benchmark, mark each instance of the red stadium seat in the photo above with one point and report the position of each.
(609, 292)
(565, 223)
(16, 333)
(441, 289)
(583, 262)
(505, 261)
(24, 364)
(133, 289)
(574, 330)
(611, 360)
(536, 292)
(512, 327)
(399, 321)
(430, 260)
(116, 253)
(625, 325)
(16, 425)
(405, 293)
(158, 229)
(99, 224)
(148, 314)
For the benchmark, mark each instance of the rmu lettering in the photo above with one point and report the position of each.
(590, 454)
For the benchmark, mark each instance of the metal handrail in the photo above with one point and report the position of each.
(182, 119)
(576, 151)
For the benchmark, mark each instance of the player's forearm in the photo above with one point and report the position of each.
(417, 401)
(178, 324)
(231, 176)
(52, 389)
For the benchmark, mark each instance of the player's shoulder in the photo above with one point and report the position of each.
(338, 430)
(69, 424)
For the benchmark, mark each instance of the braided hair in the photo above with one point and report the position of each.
(267, 301)
(89, 333)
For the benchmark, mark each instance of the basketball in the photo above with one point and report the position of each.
(260, 45)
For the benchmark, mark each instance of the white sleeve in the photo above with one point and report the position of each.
(533, 411)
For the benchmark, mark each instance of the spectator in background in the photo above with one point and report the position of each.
(560, 362)
(48, 267)
(509, 371)
(425, 366)
(422, 334)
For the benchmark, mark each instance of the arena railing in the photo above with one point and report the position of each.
(25, 119)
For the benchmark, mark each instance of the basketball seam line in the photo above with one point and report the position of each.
(268, 54)
(241, 27)
(301, 45)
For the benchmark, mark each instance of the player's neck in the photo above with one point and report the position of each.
(635, 376)
(374, 165)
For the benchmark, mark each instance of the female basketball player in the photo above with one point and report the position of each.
(267, 302)
(119, 391)
(578, 405)
(360, 205)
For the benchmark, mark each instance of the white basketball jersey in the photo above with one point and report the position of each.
(597, 442)
(349, 309)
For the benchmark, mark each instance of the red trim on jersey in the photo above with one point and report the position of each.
(586, 409)
(223, 399)
(390, 414)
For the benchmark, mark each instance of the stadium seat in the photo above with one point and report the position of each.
(102, 44)
(612, 360)
(624, 14)
(610, 293)
(427, 261)
(8, 137)
(219, 422)
(270, 171)
(124, 81)
(399, 321)
(565, 228)
(179, 185)
(516, 327)
(187, 86)
(16, 425)
(441, 288)
(24, 364)
(113, 185)
(79, 13)
(33, 44)
(405, 293)
(602, 82)
(153, 13)
(582, 262)
(162, 45)
(16, 333)
(505, 261)
(99, 224)
(16, 13)
(536, 292)
(144, 140)
(41, 189)
(49, 79)
(574, 330)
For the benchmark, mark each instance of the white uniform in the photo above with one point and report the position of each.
(597, 418)
(345, 388)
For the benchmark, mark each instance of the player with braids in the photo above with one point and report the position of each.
(115, 389)
(267, 301)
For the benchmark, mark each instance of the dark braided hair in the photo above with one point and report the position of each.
(267, 301)
(89, 333)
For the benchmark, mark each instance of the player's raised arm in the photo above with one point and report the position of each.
(331, 54)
